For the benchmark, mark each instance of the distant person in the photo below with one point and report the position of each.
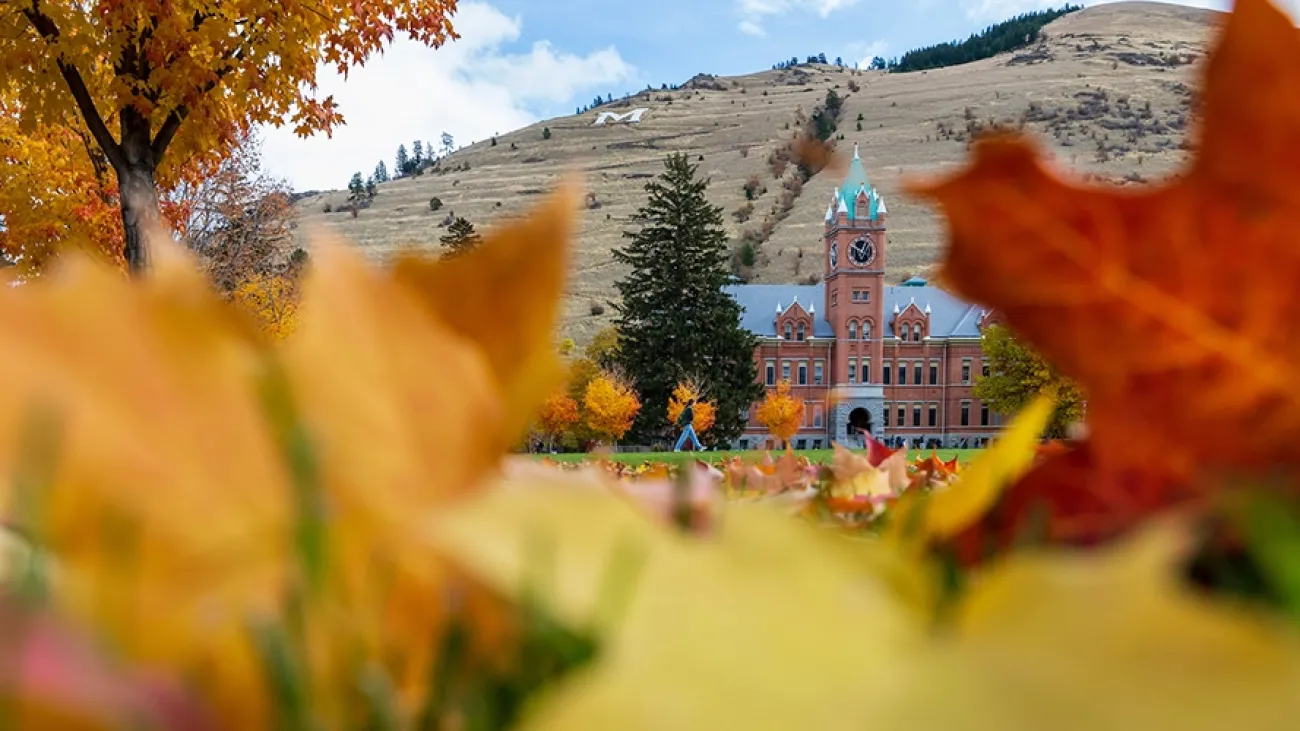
(687, 418)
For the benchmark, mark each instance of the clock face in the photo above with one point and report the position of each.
(835, 255)
(862, 252)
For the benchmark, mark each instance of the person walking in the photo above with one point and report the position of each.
(687, 418)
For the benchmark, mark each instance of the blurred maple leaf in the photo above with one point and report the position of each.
(1172, 306)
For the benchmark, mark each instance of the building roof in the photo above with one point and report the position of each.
(949, 316)
(760, 303)
(855, 182)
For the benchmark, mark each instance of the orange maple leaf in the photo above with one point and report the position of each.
(1171, 306)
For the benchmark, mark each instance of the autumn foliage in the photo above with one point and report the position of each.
(705, 411)
(559, 414)
(206, 530)
(781, 412)
(153, 88)
(609, 406)
(272, 299)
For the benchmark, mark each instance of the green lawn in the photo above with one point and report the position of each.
(817, 456)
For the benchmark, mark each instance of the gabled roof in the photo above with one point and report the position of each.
(760, 302)
(949, 316)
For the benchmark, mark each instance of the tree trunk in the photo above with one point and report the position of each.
(141, 216)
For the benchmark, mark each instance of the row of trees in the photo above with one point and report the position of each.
(1018, 32)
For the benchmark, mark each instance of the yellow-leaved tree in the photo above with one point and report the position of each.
(609, 406)
(182, 79)
(781, 412)
(272, 299)
(559, 413)
(691, 390)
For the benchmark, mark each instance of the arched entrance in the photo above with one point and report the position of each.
(859, 422)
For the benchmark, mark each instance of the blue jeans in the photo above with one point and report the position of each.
(689, 431)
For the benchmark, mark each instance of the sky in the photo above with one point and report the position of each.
(521, 61)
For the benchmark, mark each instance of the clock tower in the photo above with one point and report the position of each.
(855, 292)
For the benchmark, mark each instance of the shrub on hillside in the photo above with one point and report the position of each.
(435, 203)
(753, 188)
(546, 133)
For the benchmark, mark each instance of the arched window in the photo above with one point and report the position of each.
(787, 331)
(866, 329)
(916, 333)
(902, 333)
(853, 329)
(802, 332)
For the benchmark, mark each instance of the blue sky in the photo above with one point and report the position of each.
(520, 61)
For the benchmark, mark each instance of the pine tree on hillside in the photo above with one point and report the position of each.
(460, 237)
(402, 165)
(381, 172)
(675, 320)
(356, 186)
(417, 155)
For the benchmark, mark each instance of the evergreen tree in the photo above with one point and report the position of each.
(357, 186)
(370, 187)
(402, 166)
(381, 172)
(417, 155)
(448, 143)
(460, 237)
(676, 320)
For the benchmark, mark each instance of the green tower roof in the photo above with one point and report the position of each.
(854, 182)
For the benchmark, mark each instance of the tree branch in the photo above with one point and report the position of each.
(45, 26)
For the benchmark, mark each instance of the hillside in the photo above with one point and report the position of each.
(1109, 88)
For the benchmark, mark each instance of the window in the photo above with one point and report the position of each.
(984, 414)
(866, 329)
(916, 414)
(819, 372)
(857, 293)
(787, 331)
(785, 370)
(902, 416)
(886, 415)
(835, 298)
(916, 333)
(801, 444)
(817, 444)
(902, 374)
(803, 373)
(866, 295)
(801, 333)
(771, 373)
(965, 413)
(866, 370)
(853, 330)
(888, 372)
(965, 371)
(853, 370)
(744, 444)
(817, 414)
(916, 373)
(934, 373)
(902, 333)
(934, 415)
(984, 368)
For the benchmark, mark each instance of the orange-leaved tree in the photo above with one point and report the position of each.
(691, 390)
(609, 406)
(559, 413)
(781, 412)
(184, 78)
(1133, 294)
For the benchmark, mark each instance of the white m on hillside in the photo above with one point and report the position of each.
(630, 118)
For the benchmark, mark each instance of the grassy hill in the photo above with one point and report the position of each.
(1109, 88)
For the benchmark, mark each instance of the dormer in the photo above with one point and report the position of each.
(794, 323)
(988, 318)
(912, 323)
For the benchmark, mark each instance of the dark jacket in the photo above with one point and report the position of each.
(688, 416)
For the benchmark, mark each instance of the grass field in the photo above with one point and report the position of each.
(817, 456)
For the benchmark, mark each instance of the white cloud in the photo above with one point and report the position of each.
(864, 52)
(469, 88)
(754, 12)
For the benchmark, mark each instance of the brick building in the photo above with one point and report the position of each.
(903, 358)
